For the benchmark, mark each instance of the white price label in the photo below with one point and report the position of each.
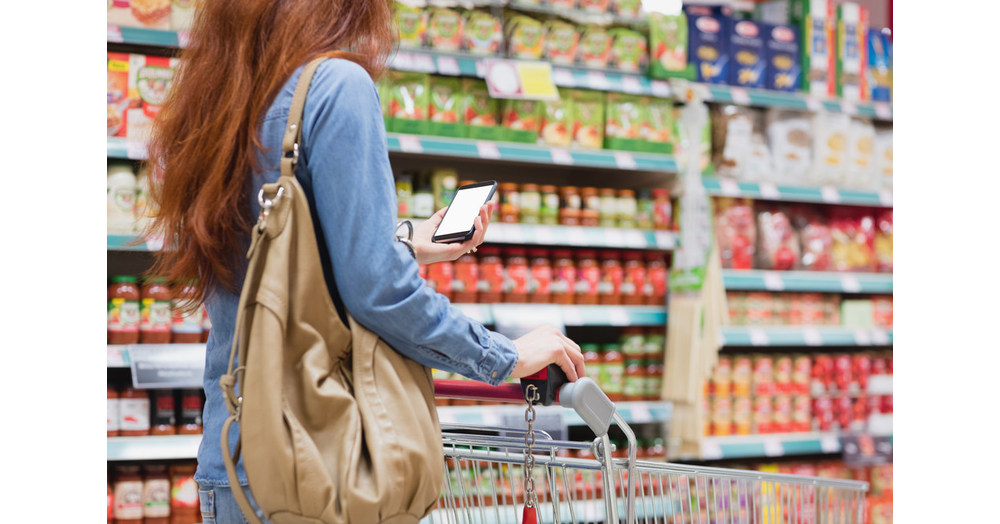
(135, 150)
(447, 65)
(545, 235)
(849, 107)
(577, 236)
(116, 359)
(446, 415)
(402, 61)
(640, 413)
(614, 237)
(491, 418)
(115, 34)
(563, 77)
(740, 96)
(862, 338)
(183, 38)
(829, 444)
(625, 160)
(598, 80)
(883, 110)
(880, 337)
(813, 103)
(660, 88)
(487, 149)
(410, 144)
(635, 239)
(769, 191)
(572, 316)
(773, 447)
(812, 337)
(885, 198)
(773, 281)
(561, 156)
(665, 240)
(631, 84)
(618, 316)
(850, 284)
(424, 63)
(758, 337)
(729, 187)
(480, 69)
(710, 450)
(830, 195)
(514, 234)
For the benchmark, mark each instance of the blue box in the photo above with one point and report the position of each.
(748, 62)
(708, 42)
(879, 66)
(784, 70)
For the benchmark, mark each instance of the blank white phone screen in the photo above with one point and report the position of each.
(463, 210)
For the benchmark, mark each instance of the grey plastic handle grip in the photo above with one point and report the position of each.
(586, 398)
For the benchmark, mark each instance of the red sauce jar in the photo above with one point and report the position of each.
(563, 277)
(128, 494)
(656, 275)
(634, 284)
(186, 325)
(466, 279)
(510, 202)
(439, 277)
(184, 506)
(540, 281)
(114, 411)
(134, 412)
(612, 276)
(515, 284)
(490, 275)
(588, 278)
(123, 310)
(191, 412)
(155, 320)
(164, 414)
(662, 209)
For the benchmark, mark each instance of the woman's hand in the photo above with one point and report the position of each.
(547, 345)
(429, 252)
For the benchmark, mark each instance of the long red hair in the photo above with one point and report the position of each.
(205, 139)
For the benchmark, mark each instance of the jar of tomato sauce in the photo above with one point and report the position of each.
(156, 494)
(563, 277)
(634, 282)
(466, 279)
(515, 284)
(154, 323)
(490, 287)
(656, 276)
(184, 507)
(654, 377)
(123, 310)
(186, 324)
(540, 278)
(164, 414)
(662, 209)
(134, 412)
(191, 412)
(440, 275)
(128, 494)
(588, 278)
(612, 275)
(592, 361)
(569, 211)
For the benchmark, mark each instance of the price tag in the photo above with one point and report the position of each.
(447, 415)
(660, 88)
(862, 338)
(773, 281)
(618, 316)
(424, 63)
(850, 284)
(545, 235)
(402, 61)
(883, 110)
(487, 149)
(167, 366)
(577, 236)
(491, 418)
(773, 447)
(598, 80)
(812, 337)
(740, 96)
(631, 84)
(635, 239)
(710, 450)
(410, 144)
(115, 34)
(829, 444)
(729, 187)
(640, 413)
(561, 156)
(624, 160)
(514, 234)
(769, 191)
(664, 240)
(135, 150)
(154, 242)
(563, 77)
(183, 38)
(517, 80)
(849, 107)
(813, 103)
(880, 337)
(830, 195)
(758, 337)
(447, 65)
(116, 357)
(885, 198)
(613, 237)
(572, 316)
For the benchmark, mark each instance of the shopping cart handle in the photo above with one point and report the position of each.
(548, 381)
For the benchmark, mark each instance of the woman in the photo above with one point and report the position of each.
(218, 139)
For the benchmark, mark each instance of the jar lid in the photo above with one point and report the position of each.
(508, 186)
(661, 192)
(569, 189)
(562, 253)
(155, 280)
(538, 253)
(644, 193)
(589, 189)
(612, 347)
(633, 255)
(465, 182)
(514, 252)
(609, 254)
(489, 251)
(548, 189)
(626, 193)
(529, 187)
(607, 191)
(124, 278)
(586, 253)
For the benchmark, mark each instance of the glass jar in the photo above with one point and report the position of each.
(628, 207)
(515, 282)
(644, 209)
(404, 195)
(466, 279)
(612, 275)
(154, 312)
(510, 203)
(531, 204)
(156, 494)
(609, 208)
(569, 210)
(114, 411)
(123, 310)
(656, 275)
(439, 277)
(128, 494)
(185, 326)
(423, 201)
(592, 361)
(634, 283)
(613, 372)
(588, 278)
(134, 412)
(563, 277)
(164, 414)
(662, 209)
(635, 380)
(184, 506)
(550, 205)
(490, 287)
(654, 378)
(540, 277)
(122, 187)
(590, 215)
(633, 342)
(191, 412)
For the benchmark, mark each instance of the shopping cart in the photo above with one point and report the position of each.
(492, 475)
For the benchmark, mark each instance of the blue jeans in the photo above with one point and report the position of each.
(219, 506)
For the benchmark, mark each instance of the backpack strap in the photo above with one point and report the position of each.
(293, 129)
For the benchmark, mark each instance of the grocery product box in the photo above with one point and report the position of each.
(588, 119)
(748, 62)
(149, 81)
(562, 42)
(182, 14)
(624, 120)
(595, 47)
(409, 102)
(852, 51)
(118, 93)
(815, 20)
(149, 14)
(668, 47)
(481, 111)
(525, 37)
(445, 107)
(556, 130)
(879, 66)
(781, 43)
(629, 50)
(483, 33)
(445, 29)
(708, 43)
(411, 25)
(521, 120)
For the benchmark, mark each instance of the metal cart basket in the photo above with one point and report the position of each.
(492, 474)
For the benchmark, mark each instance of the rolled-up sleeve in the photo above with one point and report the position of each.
(347, 163)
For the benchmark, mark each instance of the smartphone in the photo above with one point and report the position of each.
(458, 224)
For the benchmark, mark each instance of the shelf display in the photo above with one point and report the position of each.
(151, 314)
(136, 412)
(158, 492)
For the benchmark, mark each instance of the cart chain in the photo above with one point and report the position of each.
(530, 497)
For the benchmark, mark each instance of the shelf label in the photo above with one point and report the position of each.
(812, 337)
(883, 110)
(866, 450)
(618, 316)
(880, 337)
(729, 187)
(631, 84)
(514, 321)
(862, 338)
(813, 103)
(758, 337)
(563, 77)
(487, 149)
(115, 34)
(614, 237)
(545, 235)
(829, 444)
(625, 160)
(880, 385)
(660, 88)
(740, 96)
(166, 366)
(402, 61)
(154, 242)
(514, 233)
(664, 240)
(773, 281)
(424, 63)
(885, 198)
(773, 447)
(183, 38)
(446, 416)
(577, 236)
(635, 239)
(116, 357)
(135, 150)
(830, 195)
(598, 80)
(561, 156)
(850, 284)
(849, 107)
(769, 191)
(571, 316)
(410, 144)
(710, 450)
(447, 65)
(640, 413)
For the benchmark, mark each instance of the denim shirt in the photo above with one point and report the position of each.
(345, 173)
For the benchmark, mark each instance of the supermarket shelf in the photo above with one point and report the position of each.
(133, 242)
(579, 16)
(771, 445)
(143, 36)
(769, 191)
(771, 336)
(569, 315)
(120, 356)
(814, 281)
(791, 100)
(573, 236)
(168, 447)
